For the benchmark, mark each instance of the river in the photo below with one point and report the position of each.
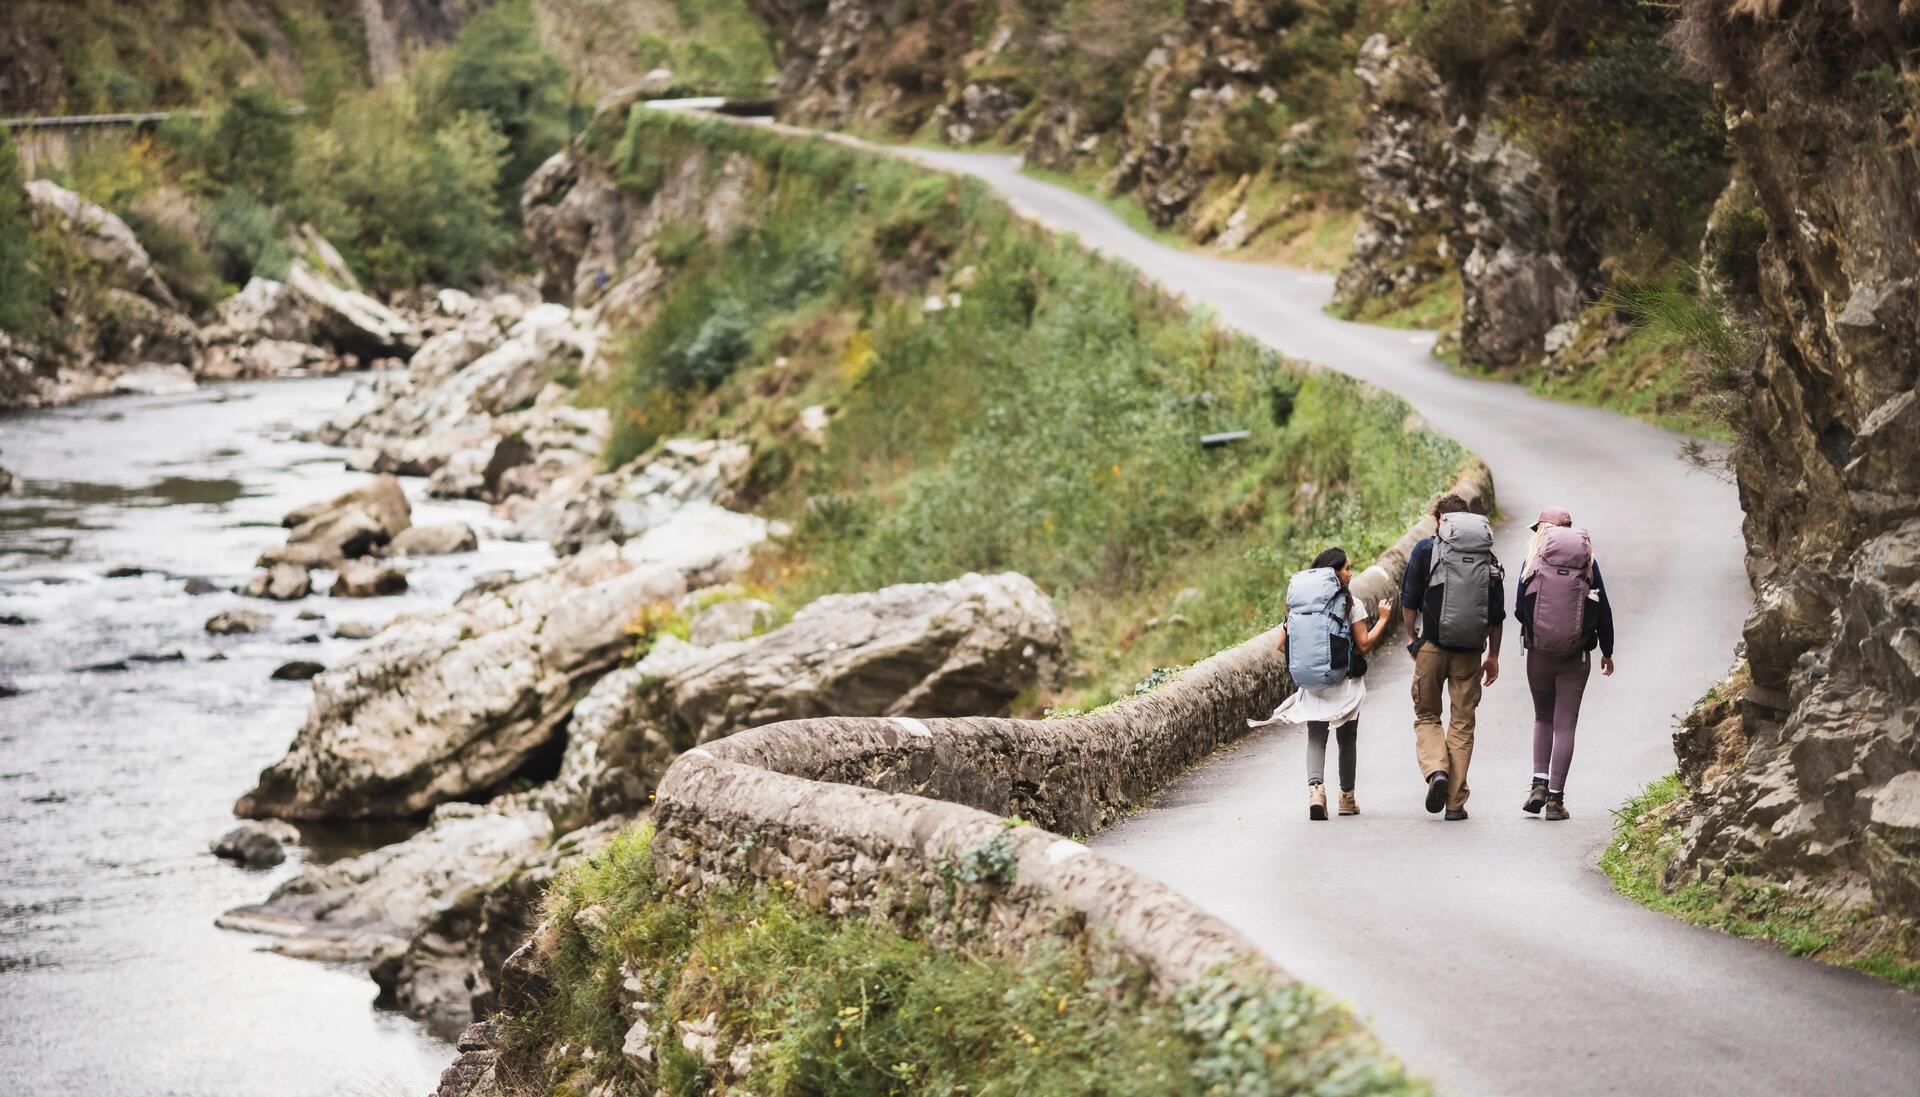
(113, 979)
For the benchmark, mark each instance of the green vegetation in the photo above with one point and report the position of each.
(848, 1006)
(713, 47)
(1637, 860)
(23, 294)
(415, 180)
(1047, 384)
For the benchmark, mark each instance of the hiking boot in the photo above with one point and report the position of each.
(1454, 815)
(1316, 801)
(1556, 809)
(1536, 798)
(1348, 805)
(1436, 792)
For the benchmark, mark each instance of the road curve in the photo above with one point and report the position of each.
(1492, 954)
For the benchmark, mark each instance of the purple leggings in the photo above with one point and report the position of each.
(1557, 681)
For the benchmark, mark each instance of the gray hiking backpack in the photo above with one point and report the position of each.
(1319, 636)
(1561, 578)
(1457, 581)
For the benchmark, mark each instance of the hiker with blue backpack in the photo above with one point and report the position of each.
(1325, 640)
(1455, 592)
(1564, 614)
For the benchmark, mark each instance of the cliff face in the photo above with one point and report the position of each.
(1821, 108)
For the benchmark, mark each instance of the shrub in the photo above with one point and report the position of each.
(251, 144)
(244, 238)
(22, 292)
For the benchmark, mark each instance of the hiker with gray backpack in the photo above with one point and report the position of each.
(1455, 593)
(1561, 604)
(1326, 638)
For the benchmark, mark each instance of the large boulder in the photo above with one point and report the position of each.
(354, 523)
(445, 705)
(962, 648)
(102, 237)
(350, 321)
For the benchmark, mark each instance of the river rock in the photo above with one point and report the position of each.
(443, 540)
(102, 237)
(303, 554)
(235, 622)
(11, 484)
(281, 583)
(361, 907)
(625, 503)
(259, 843)
(355, 630)
(356, 522)
(368, 579)
(443, 705)
(299, 670)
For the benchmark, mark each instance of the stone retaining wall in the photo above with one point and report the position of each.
(906, 819)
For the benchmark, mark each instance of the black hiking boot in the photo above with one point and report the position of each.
(1436, 793)
(1454, 815)
(1556, 809)
(1536, 798)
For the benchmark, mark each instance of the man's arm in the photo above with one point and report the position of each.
(1413, 589)
(1491, 665)
(1497, 611)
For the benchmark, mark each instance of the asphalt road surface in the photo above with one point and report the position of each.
(1492, 954)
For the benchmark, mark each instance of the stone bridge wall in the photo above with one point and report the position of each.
(907, 819)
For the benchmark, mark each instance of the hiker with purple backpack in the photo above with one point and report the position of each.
(1564, 614)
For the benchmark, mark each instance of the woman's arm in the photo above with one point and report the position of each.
(1365, 637)
(1282, 645)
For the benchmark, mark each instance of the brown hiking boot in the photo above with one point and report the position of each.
(1536, 798)
(1556, 809)
(1348, 805)
(1316, 801)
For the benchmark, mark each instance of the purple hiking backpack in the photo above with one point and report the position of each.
(1562, 579)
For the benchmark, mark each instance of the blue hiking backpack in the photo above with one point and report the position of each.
(1319, 635)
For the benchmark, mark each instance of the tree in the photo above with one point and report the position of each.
(23, 294)
(499, 69)
(252, 144)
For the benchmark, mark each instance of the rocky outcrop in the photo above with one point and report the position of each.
(104, 239)
(445, 705)
(1823, 797)
(1447, 187)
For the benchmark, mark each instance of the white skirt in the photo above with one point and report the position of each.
(1334, 705)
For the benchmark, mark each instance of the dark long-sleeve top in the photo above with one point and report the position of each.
(1413, 591)
(1603, 612)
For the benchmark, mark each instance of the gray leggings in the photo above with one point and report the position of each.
(1558, 683)
(1317, 752)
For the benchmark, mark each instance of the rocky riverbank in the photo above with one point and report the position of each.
(117, 327)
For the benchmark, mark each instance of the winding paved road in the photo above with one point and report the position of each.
(1492, 954)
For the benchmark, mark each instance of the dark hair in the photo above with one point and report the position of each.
(1335, 558)
(1448, 504)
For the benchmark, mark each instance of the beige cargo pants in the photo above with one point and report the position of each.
(1451, 748)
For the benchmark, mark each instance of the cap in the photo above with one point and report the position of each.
(1553, 516)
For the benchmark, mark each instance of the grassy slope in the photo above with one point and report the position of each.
(1637, 862)
(1047, 424)
(845, 1006)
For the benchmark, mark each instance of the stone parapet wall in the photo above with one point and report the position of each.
(908, 819)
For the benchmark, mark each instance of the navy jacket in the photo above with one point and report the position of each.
(1602, 621)
(1413, 593)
